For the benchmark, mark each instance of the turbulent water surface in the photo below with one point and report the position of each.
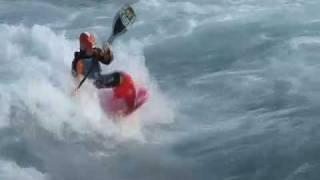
(234, 91)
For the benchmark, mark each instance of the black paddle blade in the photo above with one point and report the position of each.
(127, 15)
(124, 18)
(118, 27)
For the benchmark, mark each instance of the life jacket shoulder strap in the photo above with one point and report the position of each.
(75, 60)
(78, 55)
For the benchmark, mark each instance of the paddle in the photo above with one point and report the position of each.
(124, 17)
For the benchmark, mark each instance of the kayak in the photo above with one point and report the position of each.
(123, 100)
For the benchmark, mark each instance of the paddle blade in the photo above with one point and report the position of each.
(127, 15)
(118, 27)
(122, 20)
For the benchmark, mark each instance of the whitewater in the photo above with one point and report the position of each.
(234, 91)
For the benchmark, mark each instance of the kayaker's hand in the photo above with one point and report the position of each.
(107, 52)
(103, 55)
(97, 54)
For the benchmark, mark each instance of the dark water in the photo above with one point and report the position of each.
(234, 91)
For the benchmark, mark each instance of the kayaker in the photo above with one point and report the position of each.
(88, 59)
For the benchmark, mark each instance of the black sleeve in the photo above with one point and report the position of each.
(108, 80)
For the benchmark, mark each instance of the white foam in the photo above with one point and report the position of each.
(37, 64)
(11, 171)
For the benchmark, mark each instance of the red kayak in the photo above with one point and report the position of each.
(123, 100)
